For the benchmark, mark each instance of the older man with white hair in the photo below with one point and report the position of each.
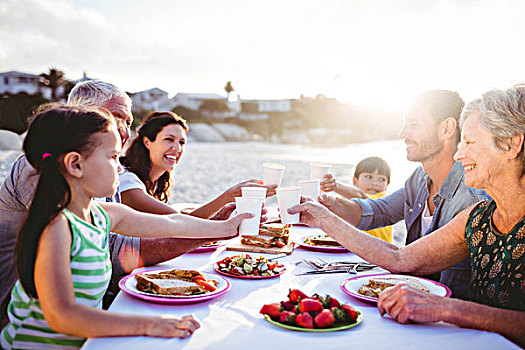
(17, 192)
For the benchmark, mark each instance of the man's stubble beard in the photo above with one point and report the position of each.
(423, 156)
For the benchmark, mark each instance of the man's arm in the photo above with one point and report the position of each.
(368, 214)
(347, 210)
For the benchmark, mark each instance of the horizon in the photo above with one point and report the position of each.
(363, 53)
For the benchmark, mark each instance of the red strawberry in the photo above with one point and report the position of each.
(350, 312)
(295, 295)
(287, 317)
(338, 314)
(309, 304)
(273, 310)
(317, 297)
(334, 302)
(287, 305)
(324, 319)
(304, 320)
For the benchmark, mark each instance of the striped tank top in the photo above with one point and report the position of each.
(91, 272)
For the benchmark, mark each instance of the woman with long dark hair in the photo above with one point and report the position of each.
(151, 157)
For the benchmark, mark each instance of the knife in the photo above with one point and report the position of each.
(319, 272)
(282, 255)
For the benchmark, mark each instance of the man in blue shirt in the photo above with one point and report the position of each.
(434, 193)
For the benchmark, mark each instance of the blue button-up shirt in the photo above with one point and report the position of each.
(408, 203)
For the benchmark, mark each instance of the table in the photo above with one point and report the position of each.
(232, 321)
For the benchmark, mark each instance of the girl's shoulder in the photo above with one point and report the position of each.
(58, 226)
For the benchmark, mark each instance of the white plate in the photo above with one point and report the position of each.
(352, 285)
(131, 285)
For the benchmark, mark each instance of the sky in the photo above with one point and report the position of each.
(363, 52)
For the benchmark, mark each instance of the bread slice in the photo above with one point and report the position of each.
(378, 284)
(385, 282)
(258, 240)
(275, 230)
(172, 282)
(323, 241)
(369, 292)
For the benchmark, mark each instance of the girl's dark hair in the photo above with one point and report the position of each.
(137, 159)
(371, 164)
(52, 133)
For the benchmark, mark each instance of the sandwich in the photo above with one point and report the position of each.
(270, 235)
(378, 284)
(322, 240)
(175, 282)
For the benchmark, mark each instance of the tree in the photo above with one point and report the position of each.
(214, 106)
(15, 110)
(190, 115)
(229, 88)
(53, 80)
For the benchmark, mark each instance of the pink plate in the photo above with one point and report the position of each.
(208, 248)
(129, 285)
(280, 268)
(351, 286)
(319, 248)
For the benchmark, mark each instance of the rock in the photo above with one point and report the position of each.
(10, 141)
(201, 132)
(232, 132)
(297, 137)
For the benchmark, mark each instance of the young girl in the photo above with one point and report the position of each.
(62, 256)
(371, 178)
(151, 157)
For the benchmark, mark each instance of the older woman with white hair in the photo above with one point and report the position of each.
(491, 233)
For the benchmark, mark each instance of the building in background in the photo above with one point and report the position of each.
(14, 83)
(154, 99)
(260, 110)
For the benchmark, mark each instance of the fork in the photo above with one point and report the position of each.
(313, 264)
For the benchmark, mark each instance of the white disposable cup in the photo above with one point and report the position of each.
(273, 173)
(310, 188)
(253, 206)
(287, 197)
(255, 192)
(317, 170)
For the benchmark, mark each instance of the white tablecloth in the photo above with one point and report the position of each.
(232, 321)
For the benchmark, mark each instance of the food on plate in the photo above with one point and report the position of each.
(211, 244)
(246, 265)
(175, 282)
(310, 311)
(270, 235)
(322, 240)
(378, 284)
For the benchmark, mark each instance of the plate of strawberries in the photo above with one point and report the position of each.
(311, 313)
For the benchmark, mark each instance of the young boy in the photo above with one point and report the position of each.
(371, 178)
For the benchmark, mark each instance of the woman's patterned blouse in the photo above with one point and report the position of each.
(497, 260)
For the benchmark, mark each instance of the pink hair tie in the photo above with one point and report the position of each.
(45, 155)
